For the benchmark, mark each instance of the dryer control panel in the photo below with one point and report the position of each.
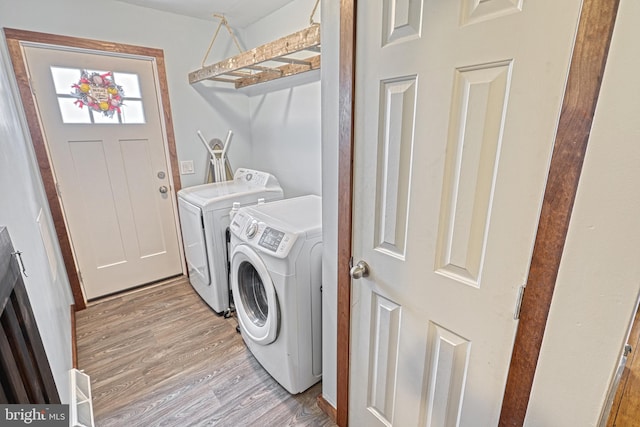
(271, 239)
(254, 177)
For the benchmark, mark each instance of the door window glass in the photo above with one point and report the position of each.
(129, 109)
(70, 111)
(132, 112)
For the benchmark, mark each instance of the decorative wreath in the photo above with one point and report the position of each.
(98, 92)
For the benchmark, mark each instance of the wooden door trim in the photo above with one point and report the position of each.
(586, 71)
(345, 198)
(590, 51)
(13, 38)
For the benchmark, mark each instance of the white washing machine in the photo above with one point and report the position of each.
(204, 219)
(276, 268)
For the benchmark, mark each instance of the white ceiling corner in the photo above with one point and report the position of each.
(239, 13)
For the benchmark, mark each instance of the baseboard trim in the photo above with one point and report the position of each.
(74, 342)
(327, 408)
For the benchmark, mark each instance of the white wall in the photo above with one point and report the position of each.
(285, 137)
(330, 135)
(285, 114)
(184, 42)
(24, 211)
(599, 278)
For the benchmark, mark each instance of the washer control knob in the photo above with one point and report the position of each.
(252, 229)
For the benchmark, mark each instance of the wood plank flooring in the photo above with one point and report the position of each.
(160, 357)
(625, 411)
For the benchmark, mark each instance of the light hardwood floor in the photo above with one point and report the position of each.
(160, 357)
(625, 411)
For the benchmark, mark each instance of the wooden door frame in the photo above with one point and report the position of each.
(14, 38)
(590, 51)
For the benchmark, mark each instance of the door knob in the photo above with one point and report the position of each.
(163, 189)
(361, 269)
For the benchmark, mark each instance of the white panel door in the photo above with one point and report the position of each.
(456, 109)
(112, 172)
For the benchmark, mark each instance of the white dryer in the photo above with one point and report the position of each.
(204, 220)
(276, 268)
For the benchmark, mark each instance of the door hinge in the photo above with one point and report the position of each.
(33, 89)
(516, 312)
(58, 190)
(18, 255)
(80, 277)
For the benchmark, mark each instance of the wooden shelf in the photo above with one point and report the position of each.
(254, 66)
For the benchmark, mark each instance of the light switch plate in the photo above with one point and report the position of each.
(186, 167)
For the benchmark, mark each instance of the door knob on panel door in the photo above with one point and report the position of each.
(361, 269)
(163, 189)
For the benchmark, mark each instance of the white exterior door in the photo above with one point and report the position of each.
(457, 104)
(110, 166)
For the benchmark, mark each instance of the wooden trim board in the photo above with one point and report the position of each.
(581, 96)
(326, 407)
(345, 197)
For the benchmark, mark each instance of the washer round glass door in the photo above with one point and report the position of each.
(254, 296)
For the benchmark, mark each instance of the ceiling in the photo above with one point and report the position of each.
(239, 13)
